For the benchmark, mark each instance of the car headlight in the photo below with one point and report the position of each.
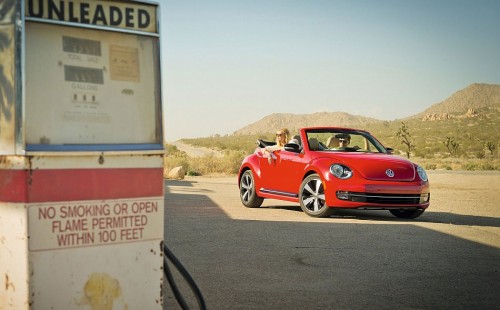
(422, 174)
(341, 171)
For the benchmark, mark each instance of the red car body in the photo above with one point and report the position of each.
(369, 176)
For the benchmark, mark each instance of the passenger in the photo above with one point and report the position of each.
(282, 137)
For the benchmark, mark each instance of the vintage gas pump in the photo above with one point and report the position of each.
(81, 155)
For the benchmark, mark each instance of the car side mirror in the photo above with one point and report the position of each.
(292, 147)
(390, 150)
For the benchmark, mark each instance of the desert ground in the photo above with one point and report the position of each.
(276, 257)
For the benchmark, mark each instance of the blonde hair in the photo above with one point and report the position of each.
(284, 131)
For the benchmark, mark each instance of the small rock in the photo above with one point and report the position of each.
(177, 173)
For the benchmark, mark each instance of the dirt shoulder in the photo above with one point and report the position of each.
(196, 151)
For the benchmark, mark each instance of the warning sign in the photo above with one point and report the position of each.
(124, 62)
(90, 223)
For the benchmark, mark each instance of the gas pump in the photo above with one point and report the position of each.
(81, 155)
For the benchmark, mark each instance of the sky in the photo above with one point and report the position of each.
(229, 63)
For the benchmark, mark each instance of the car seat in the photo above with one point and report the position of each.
(332, 142)
(313, 144)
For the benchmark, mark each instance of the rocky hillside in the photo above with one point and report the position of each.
(296, 121)
(464, 103)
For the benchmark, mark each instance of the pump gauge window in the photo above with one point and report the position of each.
(89, 87)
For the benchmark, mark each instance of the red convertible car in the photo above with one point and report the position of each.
(325, 168)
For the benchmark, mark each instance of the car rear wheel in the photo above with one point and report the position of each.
(248, 195)
(312, 197)
(407, 213)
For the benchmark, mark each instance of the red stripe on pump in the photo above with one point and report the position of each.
(47, 185)
(13, 186)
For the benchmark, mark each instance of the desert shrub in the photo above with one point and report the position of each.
(174, 158)
(479, 165)
(172, 161)
(430, 167)
(233, 161)
(480, 154)
(423, 153)
(470, 166)
(488, 166)
(203, 165)
(171, 149)
(229, 164)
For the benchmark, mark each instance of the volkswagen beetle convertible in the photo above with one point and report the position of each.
(329, 168)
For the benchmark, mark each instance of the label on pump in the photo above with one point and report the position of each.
(89, 223)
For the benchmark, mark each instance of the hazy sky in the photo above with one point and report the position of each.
(229, 63)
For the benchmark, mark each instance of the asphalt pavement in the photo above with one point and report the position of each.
(276, 257)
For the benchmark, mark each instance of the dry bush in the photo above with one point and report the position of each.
(229, 164)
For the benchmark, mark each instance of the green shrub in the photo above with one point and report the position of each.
(470, 166)
(488, 166)
(430, 167)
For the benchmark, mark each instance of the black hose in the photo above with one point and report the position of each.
(178, 296)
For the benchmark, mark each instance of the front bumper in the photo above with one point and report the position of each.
(384, 199)
(379, 195)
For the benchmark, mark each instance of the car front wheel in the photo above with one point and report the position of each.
(407, 213)
(248, 194)
(312, 197)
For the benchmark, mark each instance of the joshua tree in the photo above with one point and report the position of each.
(404, 137)
(452, 146)
(490, 146)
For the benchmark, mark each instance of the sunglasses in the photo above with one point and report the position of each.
(279, 134)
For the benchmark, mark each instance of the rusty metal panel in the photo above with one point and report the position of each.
(8, 83)
(13, 256)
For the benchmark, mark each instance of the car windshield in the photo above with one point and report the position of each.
(342, 140)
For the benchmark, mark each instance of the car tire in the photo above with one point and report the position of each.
(407, 213)
(248, 194)
(312, 197)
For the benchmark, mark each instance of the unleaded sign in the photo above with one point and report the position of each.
(122, 15)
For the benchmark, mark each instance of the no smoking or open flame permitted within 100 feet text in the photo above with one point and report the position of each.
(88, 223)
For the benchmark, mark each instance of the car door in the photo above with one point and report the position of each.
(284, 173)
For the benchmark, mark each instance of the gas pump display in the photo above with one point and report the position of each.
(93, 86)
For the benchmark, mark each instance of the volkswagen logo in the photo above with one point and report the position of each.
(389, 173)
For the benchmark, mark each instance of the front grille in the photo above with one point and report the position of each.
(384, 199)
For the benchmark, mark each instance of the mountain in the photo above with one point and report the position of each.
(466, 103)
(293, 122)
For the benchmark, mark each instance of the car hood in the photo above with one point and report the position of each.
(373, 166)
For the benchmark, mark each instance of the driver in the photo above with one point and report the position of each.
(344, 140)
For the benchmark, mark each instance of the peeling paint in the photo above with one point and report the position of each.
(101, 290)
